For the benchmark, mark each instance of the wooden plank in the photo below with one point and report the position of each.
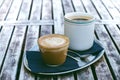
(116, 4)
(46, 15)
(66, 77)
(112, 10)
(4, 8)
(102, 70)
(1, 2)
(99, 69)
(114, 30)
(4, 41)
(67, 6)
(85, 74)
(58, 17)
(112, 58)
(115, 34)
(15, 48)
(78, 6)
(31, 38)
(111, 52)
(7, 31)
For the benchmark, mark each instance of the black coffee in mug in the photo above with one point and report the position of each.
(80, 18)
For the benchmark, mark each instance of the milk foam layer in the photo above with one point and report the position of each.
(53, 41)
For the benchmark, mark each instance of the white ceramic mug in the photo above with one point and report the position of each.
(79, 27)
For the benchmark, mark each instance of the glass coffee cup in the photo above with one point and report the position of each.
(54, 49)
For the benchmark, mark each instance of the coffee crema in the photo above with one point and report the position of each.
(53, 41)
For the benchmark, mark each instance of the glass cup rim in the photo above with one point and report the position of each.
(52, 35)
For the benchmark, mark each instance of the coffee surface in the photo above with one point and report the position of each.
(80, 18)
(53, 41)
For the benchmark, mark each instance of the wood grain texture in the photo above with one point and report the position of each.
(113, 29)
(101, 67)
(78, 6)
(111, 51)
(4, 36)
(114, 13)
(67, 6)
(31, 34)
(58, 17)
(12, 56)
(4, 9)
(66, 77)
(46, 15)
(3, 13)
(85, 74)
(116, 3)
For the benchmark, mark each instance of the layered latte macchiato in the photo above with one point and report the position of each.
(54, 48)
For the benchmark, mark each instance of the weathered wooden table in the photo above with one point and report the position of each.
(15, 40)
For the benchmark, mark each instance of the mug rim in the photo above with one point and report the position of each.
(79, 14)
